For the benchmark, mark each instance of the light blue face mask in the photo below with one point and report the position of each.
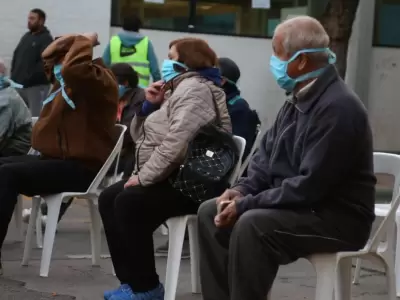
(122, 90)
(168, 71)
(5, 82)
(58, 76)
(279, 68)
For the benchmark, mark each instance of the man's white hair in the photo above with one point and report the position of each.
(302, 32)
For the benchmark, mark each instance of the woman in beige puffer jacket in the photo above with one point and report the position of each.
(174, 111)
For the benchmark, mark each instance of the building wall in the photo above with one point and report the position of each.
(384, 98)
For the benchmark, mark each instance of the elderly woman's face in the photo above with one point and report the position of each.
(173, 54)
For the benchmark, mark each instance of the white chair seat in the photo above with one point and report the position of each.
(176, 229)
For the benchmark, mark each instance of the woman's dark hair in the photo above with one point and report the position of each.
(124, 72)
(40, 13)
(131, 23)
(195, 53)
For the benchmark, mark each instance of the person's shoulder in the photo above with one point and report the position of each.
(341, 98)
(196, 88)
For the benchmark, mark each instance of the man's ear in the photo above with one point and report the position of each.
(303, 61)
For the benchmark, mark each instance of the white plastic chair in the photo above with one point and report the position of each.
(334, 270)
(53, 208)
(176, 229)
(19, 205)
(382, 210)
(256, 143)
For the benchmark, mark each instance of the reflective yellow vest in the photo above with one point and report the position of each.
(138, 60)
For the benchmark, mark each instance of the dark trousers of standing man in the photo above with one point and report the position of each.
(35, 175)
(241, 263)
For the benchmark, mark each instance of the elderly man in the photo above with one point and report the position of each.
(15, 118)
(310, 187)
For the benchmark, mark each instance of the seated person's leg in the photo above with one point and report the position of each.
(274, 237)
(130, 217)
(38, 177)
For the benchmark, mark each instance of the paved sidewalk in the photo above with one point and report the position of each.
(71, 278)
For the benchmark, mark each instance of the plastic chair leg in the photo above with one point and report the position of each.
(194, 256)
(391, 282)
(95, 233)
(177, 227)
(39, 233)
(53, 210)
(397, 257)
(30, 232)
(18, 218)
(356, 279)
(325, 267)
(343, 279)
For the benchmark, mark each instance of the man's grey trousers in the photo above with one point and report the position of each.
(241, 263)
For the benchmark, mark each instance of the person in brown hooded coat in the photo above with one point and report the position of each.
(75, 132)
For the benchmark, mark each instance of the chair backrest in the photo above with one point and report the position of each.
(114, 155)
(387, 163)
(253, 149)
(241, 144)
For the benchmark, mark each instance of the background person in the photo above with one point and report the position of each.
(133, 48)
(15, 119)
(131, 210)
(131, 98)
(75, 133)
(244, 120)
(27, 65)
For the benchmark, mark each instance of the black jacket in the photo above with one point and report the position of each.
(27, 65)
(244, 120)
(318, 155)
(134, 98)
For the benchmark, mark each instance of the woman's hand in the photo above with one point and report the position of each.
(133, 181)
(154, 93)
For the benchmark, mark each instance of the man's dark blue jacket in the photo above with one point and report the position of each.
(318, 155)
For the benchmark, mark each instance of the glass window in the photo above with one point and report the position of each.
(387, 23)
(237, 17)
(229, 17)
(171, 15)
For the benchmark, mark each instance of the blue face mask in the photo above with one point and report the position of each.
(122, 90)
(279, 68)
(58, 76)
(168, 71)
(5, 82)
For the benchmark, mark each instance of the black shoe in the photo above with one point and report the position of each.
(162, 251)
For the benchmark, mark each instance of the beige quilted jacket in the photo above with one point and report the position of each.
(162, 138)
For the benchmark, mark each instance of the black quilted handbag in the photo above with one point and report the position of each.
(210, 160)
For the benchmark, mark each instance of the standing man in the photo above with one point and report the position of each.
(135, 49)
(27, 65)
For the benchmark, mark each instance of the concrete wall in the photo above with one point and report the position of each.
(384, 98)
